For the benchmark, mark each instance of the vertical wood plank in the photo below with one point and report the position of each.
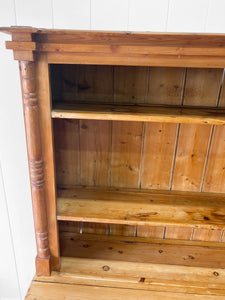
(150, 231)
(66, 139)
(68, 226)
(181, 233)
(211, 235)
(125, 162)
(95, 83)
(130, 84)
(165, 87)
(95, 228)
(202, 88)
(191, 157)
(95, 148)
(158, 154)
(215, 173)
(126, 154)
(68, 81)
(124, 230)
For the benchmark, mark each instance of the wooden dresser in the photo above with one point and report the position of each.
(126, 147)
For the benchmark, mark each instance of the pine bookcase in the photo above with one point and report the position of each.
(126, 147)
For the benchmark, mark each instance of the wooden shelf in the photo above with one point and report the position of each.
(138, 207)
(140, 113)
(142, 250)
(125, 267)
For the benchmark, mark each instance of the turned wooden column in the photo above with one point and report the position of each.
(34, 149)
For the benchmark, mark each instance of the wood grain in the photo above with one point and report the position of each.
(207, 235)
(215, 174)
(157, 277)
(40, 290)
(150, 231)
(44, 96)
(140, 113)
(132, 207)
(158, 155)
(191, 157)
(67, 156)
(95, 228)
(130, 84)
(122, 230)
(117, 249)
(179, 233)
(165, 88)
(166, 85)
(95, 83)
(36, 165)
(95, 148)
(202, 88)
(126, 154)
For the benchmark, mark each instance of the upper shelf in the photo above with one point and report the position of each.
(140, 113)
(141, 207)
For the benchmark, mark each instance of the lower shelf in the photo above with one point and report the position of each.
(141, 207)
(142, 250)
(123, 269)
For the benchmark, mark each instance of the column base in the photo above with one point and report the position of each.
(43, 267)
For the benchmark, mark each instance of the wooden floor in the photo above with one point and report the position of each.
(104, 268)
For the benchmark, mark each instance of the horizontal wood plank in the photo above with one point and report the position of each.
(129, 49)
(125, 48)
(131, 249)
(140, 113)
(135, 207)
(141, 276)
(57, 291)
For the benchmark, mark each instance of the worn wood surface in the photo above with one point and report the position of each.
(140, 113)
(172, 280)
(142, 250)
(36, 164)
(120, 48)
(44, 96)
(48, 290)
(135, 207)
(162, 147)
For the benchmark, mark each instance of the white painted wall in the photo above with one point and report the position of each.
(17, 249)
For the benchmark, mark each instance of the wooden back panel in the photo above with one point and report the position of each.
(185, 157)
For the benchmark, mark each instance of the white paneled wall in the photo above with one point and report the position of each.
(148, 15)
(16, 222)
(72, 14)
